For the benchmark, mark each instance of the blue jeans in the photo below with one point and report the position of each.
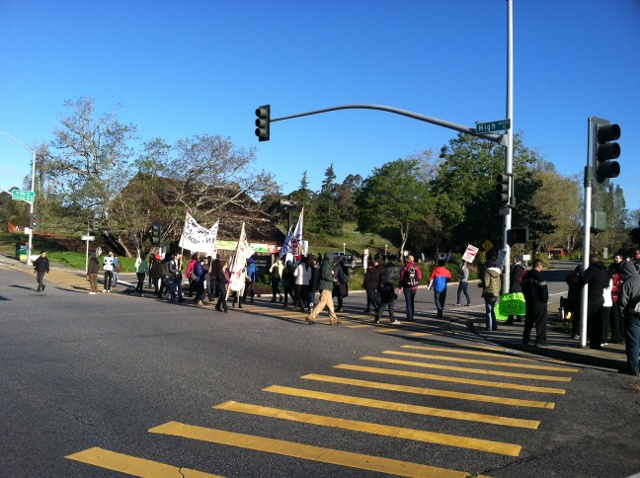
(490, 308)
(409, 299)
(632, 341)
(440, 298)
(463, 289)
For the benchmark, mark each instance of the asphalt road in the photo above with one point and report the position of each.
(118, 385)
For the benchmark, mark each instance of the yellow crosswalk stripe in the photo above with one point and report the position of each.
(308, 452)
(134, 466)
(403, 407)
(496, 353)
(496, 363)
(418, 334)
(445, 378)
(499, 373)
(360, 326)
(431, 391)
(375, 428)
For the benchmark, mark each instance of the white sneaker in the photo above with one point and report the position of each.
(395, 322)
(92, 293)
(104, 291)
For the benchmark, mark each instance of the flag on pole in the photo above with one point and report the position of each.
(286, 245)
(236, 271)
(296, 239)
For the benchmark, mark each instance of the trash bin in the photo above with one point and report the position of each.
(21, 251)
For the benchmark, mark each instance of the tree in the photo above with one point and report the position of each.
(213, 179)
(88, 163)
(393, 196)
(328, 221)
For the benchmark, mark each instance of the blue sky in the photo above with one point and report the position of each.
(184, 68)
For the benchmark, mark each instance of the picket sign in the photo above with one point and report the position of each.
(510, 304)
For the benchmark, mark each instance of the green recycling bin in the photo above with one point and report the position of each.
(22, 250)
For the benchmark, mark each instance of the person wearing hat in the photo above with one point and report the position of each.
(41, 267)
(491, 292)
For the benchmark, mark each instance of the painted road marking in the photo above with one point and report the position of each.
(497, 353)
(308, 452)
(419, 334)
(447, 358)
(404, 407)
(445, 378)
(375, 428)
(499, 373)
(431, 391)
(134, 466)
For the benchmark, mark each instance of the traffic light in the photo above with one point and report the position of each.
(598, 221)
(263, 122)
(603, 150)
(34, 220)
(502, 189)
(517, 235)
(156, 233)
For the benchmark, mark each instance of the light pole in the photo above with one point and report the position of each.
(344, 248)
(385, 253)
(33, 188)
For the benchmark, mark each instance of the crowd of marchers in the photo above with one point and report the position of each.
(613, 293)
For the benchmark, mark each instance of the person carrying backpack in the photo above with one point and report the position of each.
(410, 276)
(438, 280)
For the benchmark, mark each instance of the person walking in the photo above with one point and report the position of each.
(629, 301)
(142, 269)
(410, 276)
(302, 276)
(326, 290)
(598, 279)
(314, 283)
(463, 283)
(41, 267)
(536, 294)
(155, 272)
(222, 281)
(107, 266)
(371, 283)
(93, 270)
(252, 274)
(491, 291)
(387, 290)
(288, 284)
(438, 280)
(276, 270)
(117, 267)
(198, 271)
(340, 282)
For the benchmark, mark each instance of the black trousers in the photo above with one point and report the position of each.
(536, 315)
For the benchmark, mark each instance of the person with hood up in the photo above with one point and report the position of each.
(536, 294)
(629, 302)
(598, 279)
(491, 292)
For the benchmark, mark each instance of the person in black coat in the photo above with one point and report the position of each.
(41, 267)
(370, 284)
(517, 272)
(597, 278)
(536, 293)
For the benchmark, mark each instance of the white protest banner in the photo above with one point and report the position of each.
(197, 238)
(501, 257)
(296, 239)
(470, 254)
(236, 271)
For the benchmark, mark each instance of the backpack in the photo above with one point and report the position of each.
(411, 278)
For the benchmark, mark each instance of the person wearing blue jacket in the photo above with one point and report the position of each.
(252, 274)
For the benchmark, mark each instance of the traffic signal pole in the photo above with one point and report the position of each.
(509, 146)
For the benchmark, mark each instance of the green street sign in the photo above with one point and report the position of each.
(19, 195)
(491, 126)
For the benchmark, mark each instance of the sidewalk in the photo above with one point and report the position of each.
(560, 345)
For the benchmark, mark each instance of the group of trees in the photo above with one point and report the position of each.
(90, 177)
